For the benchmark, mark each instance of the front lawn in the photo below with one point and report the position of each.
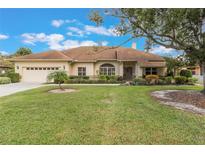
(97, 115)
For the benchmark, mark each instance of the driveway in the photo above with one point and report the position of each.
(12, 88)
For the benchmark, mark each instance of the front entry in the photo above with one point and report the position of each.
(127, 73)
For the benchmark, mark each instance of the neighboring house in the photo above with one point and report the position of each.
(89, 61)
(196, 72)
(4, 67)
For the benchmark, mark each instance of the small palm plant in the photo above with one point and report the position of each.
(59, 77)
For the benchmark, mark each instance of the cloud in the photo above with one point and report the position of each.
(4, 53)
(74, 31)
(75, 43)
(104, 43)
(88, 29)
(52, 40)
(57, 23)
(3, 37)
(57, 41)
(100, 30)
(162, 51)
(71, 21)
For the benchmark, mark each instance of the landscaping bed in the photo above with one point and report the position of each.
(189, 100)
(195, 98)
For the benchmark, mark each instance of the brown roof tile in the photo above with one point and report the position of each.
(99, 53)
(50, 55)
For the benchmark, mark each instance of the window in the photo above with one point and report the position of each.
(81, 71)
(36, 68)
(107, 69)
(150, 70)
(17, 67)
(27, 68)
(40, 68)
(32, 68)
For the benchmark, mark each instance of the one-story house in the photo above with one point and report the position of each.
(90, 61)
(196, 72)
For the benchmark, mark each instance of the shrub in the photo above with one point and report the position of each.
(192, 81)
(119, 78)
(162, 82)
(83, 81)
(186, 73)
(139, 81)
(85, 77)
(79, 77)
(102, 77)
(152, 79)
(110, 77)
(5, 80)
(15, 77)
(180, 79)
(73, 77)
(168, 79)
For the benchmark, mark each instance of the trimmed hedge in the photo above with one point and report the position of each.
(139, 81)
(15, 77)
(108, 77)
(168, 80)
(186, 73)
(84, 81)
(5, 80)
(152, 79)
(192, 81)
(180, 79)
(79, 77)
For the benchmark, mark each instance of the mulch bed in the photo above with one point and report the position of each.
(190, 97)
(192, 101)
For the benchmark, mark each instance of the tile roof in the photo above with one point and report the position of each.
(50, 55)
(92, 54)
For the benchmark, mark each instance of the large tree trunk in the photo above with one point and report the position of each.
(203, 73)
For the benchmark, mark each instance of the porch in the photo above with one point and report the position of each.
(132, 70)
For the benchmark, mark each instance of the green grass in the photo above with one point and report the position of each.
(97, 115)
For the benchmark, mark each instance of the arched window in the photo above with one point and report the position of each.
(107, 69)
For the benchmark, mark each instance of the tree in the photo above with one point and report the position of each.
(148, 45)
(173, 64)
(23, 51)
(180, 29)
(59, 77)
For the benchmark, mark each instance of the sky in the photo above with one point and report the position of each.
(59, 29)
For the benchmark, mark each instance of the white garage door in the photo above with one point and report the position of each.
(37, 74)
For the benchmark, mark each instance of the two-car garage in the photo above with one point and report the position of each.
(36, 74)
(38, 71)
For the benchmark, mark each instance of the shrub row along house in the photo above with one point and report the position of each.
(90, 61)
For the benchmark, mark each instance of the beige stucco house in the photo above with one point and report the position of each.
(89, 61)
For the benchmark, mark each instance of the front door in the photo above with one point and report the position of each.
(127, 73)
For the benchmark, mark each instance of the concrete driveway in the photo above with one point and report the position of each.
(12, 88)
